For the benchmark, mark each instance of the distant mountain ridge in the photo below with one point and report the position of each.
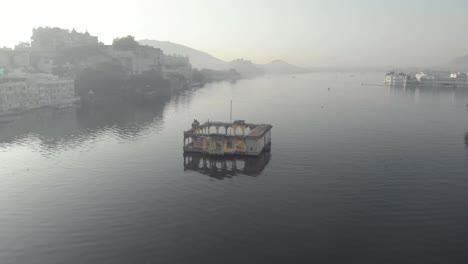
(198, 59)
(460, 60)
(281, 67)
(459, 63)
(203, 60)
(246, 68)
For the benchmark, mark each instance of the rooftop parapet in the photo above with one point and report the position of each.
(226, 138)
(213, 128)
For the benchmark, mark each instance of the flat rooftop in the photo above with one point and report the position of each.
(254, 130)
(259, 130)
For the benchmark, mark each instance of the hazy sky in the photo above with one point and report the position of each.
(305, 32)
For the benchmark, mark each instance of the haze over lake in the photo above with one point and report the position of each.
(363, 172)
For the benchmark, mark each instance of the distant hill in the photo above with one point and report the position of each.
(460, 64)
(281, 67)
(454, 65)
(460, 60)
(198, 59)
(246, 68)
(202, 60)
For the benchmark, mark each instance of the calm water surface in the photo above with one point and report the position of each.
(358, 173)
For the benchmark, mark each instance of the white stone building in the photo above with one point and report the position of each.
(425, 79)
(11, 90)
(460, 79)
(12, 59)
(177, 65)
(138, 60)
(29, 91)
(47, 38)
(395, 78)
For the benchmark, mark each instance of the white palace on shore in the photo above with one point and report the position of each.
(22, 92)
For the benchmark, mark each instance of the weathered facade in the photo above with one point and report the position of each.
(138, 60)
(30, 91)
(220, 138)
(177, 65)
(12, 59)
(56, 38)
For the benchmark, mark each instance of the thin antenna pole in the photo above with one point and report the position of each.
(230, 116)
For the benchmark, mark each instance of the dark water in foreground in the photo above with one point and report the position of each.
(357, 174)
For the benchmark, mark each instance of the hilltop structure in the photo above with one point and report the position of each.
(125, 70)
(66, 53)
(47, 38)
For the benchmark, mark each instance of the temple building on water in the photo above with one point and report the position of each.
(221, 138)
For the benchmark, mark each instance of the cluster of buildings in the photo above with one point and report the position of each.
(133, 62)
(42, 73)
(422, 79)
(141, 59)
(57, 38)
(13, 59)
(176, 65)
(395, 78)
(460, 79)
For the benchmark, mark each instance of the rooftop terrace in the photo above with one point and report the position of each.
(238, 128)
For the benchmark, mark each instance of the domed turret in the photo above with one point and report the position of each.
(195, 124)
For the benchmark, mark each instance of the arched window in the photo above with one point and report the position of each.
(212, 130)
(240, 164)
(238, 131)
(222, 130)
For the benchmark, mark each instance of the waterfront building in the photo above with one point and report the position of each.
(13, 59)
(424, 78)
(176, 65)
(221, 138)
(138, 60)
(11, 90)
(434, 79)
(395, 78)
(24, 92)
(460, 79)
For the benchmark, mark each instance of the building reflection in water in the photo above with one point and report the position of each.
(466, 140)
(466, 147)
(60, 129)
(226, 167)
(448, 94)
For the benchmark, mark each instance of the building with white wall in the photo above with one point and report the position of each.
(24, 92)
(395, 78)
(177, 65)
(138, 60)
(460, 79)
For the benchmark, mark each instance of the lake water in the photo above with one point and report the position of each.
(357, 174)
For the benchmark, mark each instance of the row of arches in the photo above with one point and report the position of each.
(226, 130)
(207, 163)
